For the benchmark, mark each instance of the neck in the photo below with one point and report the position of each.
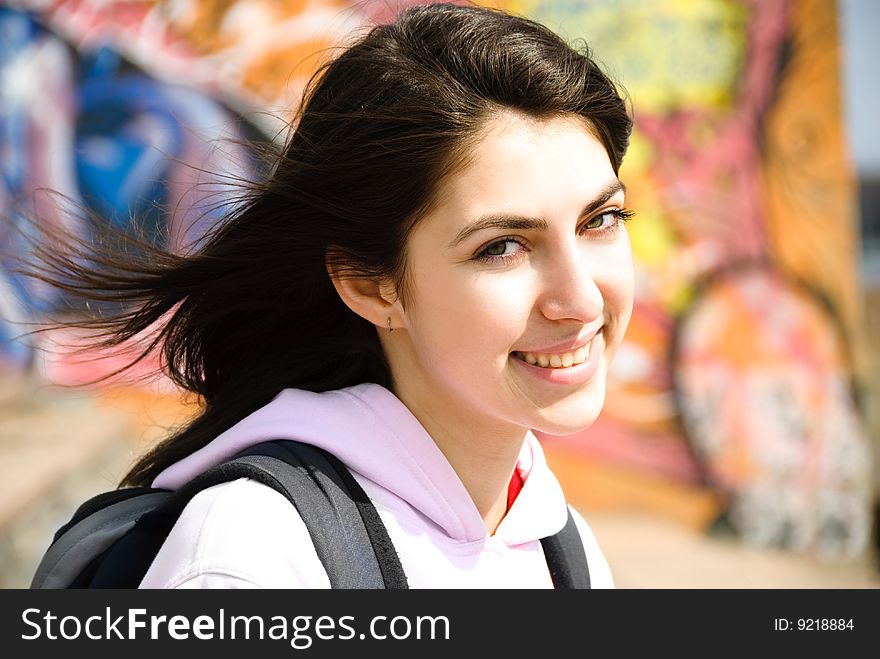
(482, 453)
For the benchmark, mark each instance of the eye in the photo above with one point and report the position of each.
(609, 220)
(501, 250)
(599, 221)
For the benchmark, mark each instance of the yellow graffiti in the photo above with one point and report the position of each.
(668, 54)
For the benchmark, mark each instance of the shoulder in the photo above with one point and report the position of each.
(600, 572)
(239, 534)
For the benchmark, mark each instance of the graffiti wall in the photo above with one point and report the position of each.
(741, 369)
(733, 401)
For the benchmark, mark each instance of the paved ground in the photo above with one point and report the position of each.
(59, 447)
(650, 552)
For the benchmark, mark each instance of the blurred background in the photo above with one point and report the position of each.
(739, 444)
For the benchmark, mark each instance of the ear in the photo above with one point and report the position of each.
(372, 298)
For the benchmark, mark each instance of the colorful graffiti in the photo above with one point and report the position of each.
(763, 387)
(736, 380)
(740, 384)
(101, 137)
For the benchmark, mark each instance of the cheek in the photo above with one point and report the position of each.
(467, 317)
(617, 284)
(619, 280)
(499, 317)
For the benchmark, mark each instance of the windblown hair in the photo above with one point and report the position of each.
(254, 311)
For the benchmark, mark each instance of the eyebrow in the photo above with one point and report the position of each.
(520, 222)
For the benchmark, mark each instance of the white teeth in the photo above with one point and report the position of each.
(562, 360)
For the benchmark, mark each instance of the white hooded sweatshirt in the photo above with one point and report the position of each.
(243, 534)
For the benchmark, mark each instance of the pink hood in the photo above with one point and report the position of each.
(377, 437)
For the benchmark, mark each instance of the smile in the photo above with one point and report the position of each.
(560, 360)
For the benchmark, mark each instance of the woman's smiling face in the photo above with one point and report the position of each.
(520, 283)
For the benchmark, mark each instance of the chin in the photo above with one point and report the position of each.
(570, 418)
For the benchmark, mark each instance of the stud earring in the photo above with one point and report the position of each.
(389, 324)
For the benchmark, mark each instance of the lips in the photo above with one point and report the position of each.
(571, 345)
(560, 355)
(567, 369)
(558, 360)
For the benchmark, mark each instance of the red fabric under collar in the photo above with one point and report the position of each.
(514, 487)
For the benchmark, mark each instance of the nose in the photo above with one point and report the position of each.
(570, 288)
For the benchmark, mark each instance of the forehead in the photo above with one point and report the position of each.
(527, 166)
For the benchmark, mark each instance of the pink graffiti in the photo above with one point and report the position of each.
(707, 166)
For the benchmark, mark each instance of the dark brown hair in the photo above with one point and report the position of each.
(254, 311)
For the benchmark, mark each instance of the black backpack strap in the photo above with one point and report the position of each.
(348, 534)
(566, 557)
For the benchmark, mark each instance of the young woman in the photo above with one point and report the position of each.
(437, 265)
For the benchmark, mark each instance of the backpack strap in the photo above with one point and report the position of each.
(566, 557)
(348, 534)
(345, 528)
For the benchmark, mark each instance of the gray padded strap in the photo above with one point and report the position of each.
(332, 518)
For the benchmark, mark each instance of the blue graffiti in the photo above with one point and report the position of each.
(114, 143)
